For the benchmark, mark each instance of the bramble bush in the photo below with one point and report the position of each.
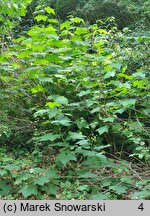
(75, 111)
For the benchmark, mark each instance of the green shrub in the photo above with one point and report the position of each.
(79, 97)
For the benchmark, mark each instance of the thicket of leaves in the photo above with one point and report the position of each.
(74, 111)
(126, 12)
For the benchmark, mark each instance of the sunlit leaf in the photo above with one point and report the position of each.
(41, 18)
(103, 129)
(51, 105)
(50, 10)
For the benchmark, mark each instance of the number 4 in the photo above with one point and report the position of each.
(141, 207)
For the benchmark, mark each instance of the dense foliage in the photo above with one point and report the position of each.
(133, 13)
(75, 109)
